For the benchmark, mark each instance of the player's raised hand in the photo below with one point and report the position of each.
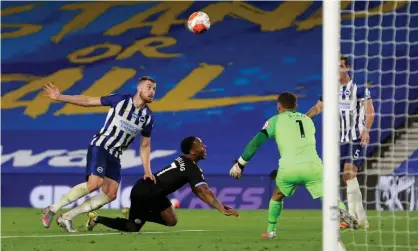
(52, 91)
(150, 176)
(365, 138)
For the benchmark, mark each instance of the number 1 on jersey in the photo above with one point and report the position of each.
(302, 131)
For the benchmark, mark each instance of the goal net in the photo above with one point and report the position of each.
(381, 40)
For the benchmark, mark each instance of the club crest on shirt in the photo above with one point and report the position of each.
(347, 92)
(142, 119)
(266, 125)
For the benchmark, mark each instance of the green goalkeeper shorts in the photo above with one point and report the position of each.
(307, 174)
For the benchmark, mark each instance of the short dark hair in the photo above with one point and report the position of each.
(345, 58)
(147, 78)
(287, 100)
(187, 144)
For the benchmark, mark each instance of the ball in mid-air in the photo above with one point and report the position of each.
(175, 203)
(198, 22)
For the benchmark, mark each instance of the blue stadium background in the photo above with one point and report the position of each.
(220, 86)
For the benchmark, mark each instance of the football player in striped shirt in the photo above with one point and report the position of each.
(128, 116)
(356, 120)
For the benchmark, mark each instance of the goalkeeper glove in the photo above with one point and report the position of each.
(238, 168)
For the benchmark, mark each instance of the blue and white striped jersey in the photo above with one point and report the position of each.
(352, 110)
(123, 123)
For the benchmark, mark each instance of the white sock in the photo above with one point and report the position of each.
(355, 197)
(88, 205)
(74, 194)
(361, 213)
(353, 189)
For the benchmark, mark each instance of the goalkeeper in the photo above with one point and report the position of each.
(300, 164)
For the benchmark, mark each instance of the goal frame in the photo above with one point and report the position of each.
(330, 74)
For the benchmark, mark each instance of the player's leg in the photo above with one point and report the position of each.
(121, 224)
(275, 206)
(132, 224)
(313, 180)
(157, 209)
(94, 181)
(134, 218)
(65, 220)
(275, 209)
(286, 186)
(113, 176)
(107, 194)
(353, 160)
(94, 202)
(110, 187)
(345, 154)
(353, 188)
(98, 168)
(161, 212)
(354, 196)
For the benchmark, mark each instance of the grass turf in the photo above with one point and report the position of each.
(298, 230)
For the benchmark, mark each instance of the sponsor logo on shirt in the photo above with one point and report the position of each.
(128, 127)
(345, 105)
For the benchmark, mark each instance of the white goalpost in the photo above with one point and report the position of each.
(380, 39)
(330, 76)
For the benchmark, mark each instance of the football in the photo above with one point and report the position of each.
(198, 22)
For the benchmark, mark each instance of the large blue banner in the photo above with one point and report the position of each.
(221, 86)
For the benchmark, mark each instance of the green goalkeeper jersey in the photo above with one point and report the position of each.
(294, 133)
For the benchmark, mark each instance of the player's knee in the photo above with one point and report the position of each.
(277, 195)
(110, 188)
(132, 227)
(172, 221)
(350, 172)
(94, 184)
(112, 195)
(348, 176)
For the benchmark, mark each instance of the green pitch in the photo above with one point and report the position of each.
(208, 230)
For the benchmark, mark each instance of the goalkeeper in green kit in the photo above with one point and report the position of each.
(300, 164)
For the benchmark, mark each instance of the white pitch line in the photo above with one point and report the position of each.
(57, 235)
(100, 234)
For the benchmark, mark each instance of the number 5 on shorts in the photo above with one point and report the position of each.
(356, 154)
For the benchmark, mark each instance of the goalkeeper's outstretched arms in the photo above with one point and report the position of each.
(249, 151)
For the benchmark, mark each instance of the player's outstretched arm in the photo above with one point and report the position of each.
(315, 110)
(249, 151)
(206, 195)
(80, 100)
